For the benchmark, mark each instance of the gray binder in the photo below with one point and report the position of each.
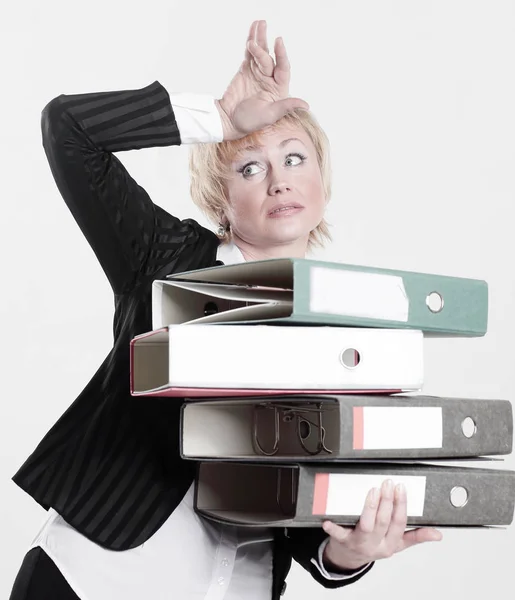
(300, 495)
(354, 427)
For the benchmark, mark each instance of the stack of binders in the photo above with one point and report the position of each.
(301, 381)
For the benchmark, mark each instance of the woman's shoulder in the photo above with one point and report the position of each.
(179, 245)
(170, 226)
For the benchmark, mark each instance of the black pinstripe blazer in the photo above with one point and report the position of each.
(111, 465)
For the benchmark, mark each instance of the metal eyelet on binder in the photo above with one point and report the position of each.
(435, 302)
(459, 496)
(303, 426)
(350, 358)
(468, 427)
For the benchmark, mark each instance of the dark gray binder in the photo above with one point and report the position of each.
(353, 427)
(302, 495)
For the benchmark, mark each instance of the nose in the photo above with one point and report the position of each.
(279, 186)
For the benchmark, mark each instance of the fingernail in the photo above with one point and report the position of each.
(400, 490)
(388, 487)
(373, 496)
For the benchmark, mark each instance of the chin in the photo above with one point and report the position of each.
(289, 238)
(291, 232)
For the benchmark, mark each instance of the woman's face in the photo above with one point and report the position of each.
(275, 191)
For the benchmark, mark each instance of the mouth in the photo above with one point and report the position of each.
(282, 210)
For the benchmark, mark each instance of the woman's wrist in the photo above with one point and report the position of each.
(228, 130)
(335, 565)
(197, 117)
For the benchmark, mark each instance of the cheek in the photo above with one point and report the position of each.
(244, 200)
(315, 189)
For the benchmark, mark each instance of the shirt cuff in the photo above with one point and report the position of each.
(319, 564)
(197, 117)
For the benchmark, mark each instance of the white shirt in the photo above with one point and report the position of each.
(189, 557)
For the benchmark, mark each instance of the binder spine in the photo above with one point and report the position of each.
(440, 496)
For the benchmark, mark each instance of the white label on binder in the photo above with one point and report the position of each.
(358, 294)
(398, 427)
(346, 493)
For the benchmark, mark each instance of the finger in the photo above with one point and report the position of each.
(282, 64)
(278, 109)
(263, 60)
(419, 536)
(250, 38)
(399, 518)
(337, 532)
(367, 519)
(261, 35)
(384, 511)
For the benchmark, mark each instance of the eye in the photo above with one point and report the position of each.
(252, 168)
(294, 159)
(249, 169)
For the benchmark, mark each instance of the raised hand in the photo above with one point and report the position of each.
(258, 94)
(380, 532)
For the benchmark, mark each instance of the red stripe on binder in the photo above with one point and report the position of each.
(320, 494)
(357, 442)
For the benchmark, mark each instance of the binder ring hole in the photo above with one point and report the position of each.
(350, 358)
(468, 427)
(210, 308)
(459, 496)
(434, 302)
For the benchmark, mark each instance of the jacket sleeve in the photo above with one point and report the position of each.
(304, 543)
(119, 220)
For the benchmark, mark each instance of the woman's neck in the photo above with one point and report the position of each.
(296, 249)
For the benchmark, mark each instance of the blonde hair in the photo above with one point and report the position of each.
(209, 166)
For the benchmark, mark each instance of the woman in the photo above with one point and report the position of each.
(109, 471)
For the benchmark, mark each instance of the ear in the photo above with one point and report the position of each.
(223, 220)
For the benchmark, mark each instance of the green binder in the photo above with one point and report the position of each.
(311, 292)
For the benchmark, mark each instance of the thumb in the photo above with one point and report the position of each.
(419, 536)
(282, 107)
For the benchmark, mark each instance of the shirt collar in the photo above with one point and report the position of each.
(229, 254)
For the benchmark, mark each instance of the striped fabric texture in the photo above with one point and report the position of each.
(111, 466)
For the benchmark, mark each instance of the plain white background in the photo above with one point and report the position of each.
(418, 99)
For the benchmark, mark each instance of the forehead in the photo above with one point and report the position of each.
(273, 137)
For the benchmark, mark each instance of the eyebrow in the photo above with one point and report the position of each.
(259, 146)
